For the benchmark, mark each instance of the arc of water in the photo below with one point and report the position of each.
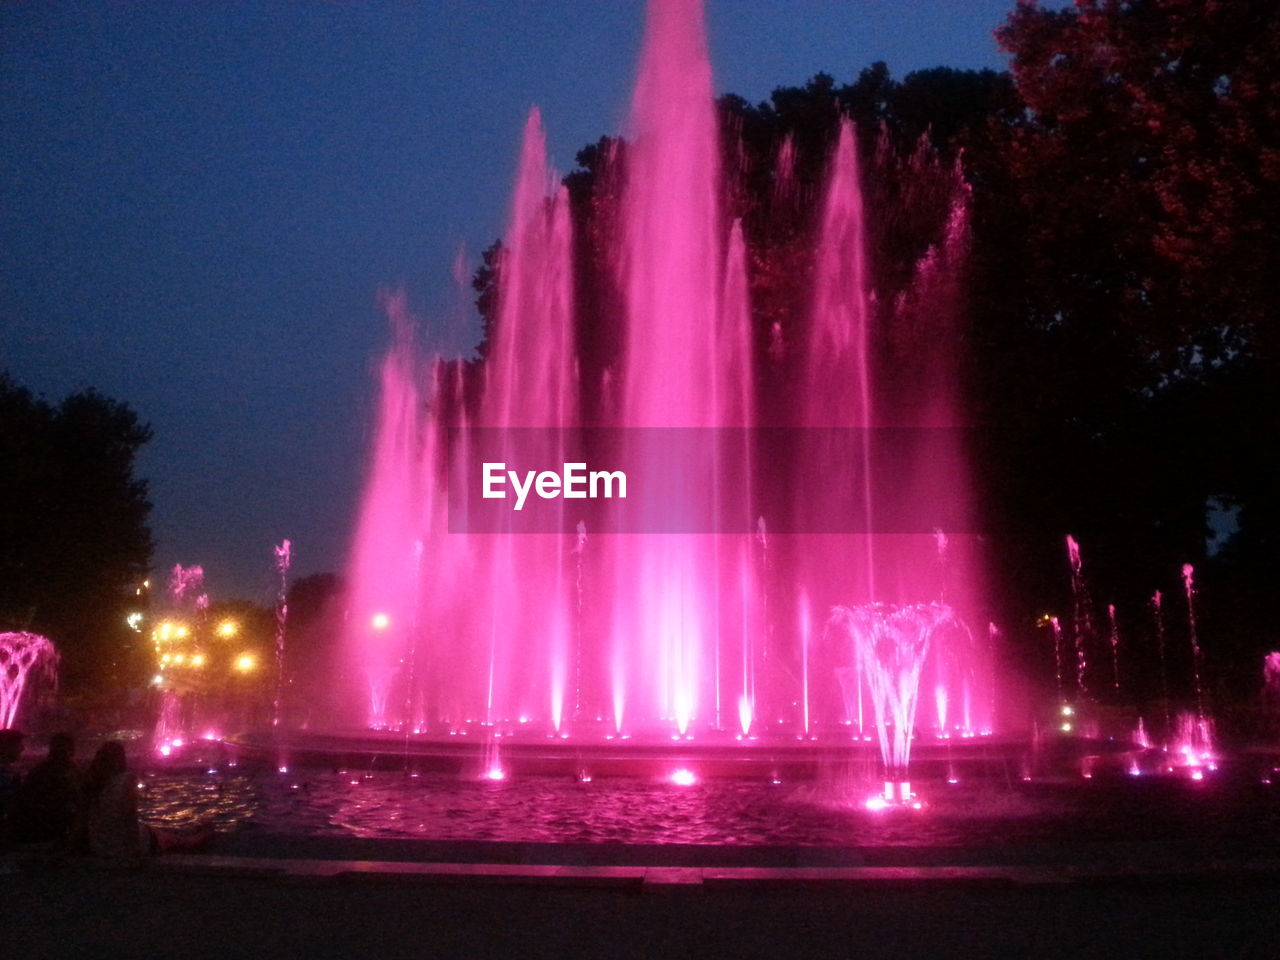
(23, 657)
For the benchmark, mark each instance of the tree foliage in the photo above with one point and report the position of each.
(74, 540)
(1147, 170)
(1126, 290)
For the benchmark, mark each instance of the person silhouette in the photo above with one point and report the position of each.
(48, 802)
(10, 779)
(111, 826)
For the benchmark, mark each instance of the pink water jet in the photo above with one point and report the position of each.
(26, 659)
(892, 644)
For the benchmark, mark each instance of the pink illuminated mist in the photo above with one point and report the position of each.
(596, 632)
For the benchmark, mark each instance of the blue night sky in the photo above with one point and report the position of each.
(200, 201)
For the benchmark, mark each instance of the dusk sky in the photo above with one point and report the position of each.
(199, 203)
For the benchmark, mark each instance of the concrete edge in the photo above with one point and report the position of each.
(684, 877)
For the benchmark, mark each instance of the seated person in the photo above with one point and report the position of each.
(10, 779)
(111, 825)
(48, 802)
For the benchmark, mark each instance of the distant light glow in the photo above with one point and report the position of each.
(245, 662)
(380, 621)
(495, 773)
(684, 777)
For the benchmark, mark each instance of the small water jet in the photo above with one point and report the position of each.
(1193, 636)
(891, 644)
(1082, 616)
(284, 557)
(1157, 614)
(1115, 647)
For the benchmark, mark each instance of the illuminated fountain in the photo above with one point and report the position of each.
(25, 658)
(892, 644)
(796, 501)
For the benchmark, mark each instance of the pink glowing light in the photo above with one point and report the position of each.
(495, 773)
(744, 714)
(684, 777)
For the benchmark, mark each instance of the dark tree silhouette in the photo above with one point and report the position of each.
(1125, 295)
(74, 540)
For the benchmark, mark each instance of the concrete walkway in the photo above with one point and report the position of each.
(1135, 903)
(218, 909)
(648, 877)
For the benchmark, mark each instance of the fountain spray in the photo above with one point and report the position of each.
(284, 557)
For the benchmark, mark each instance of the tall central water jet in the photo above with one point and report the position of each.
(673, 365)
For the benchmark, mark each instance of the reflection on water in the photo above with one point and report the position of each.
(182, 801)
(724, 812)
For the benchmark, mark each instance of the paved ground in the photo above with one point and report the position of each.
(227, 907)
